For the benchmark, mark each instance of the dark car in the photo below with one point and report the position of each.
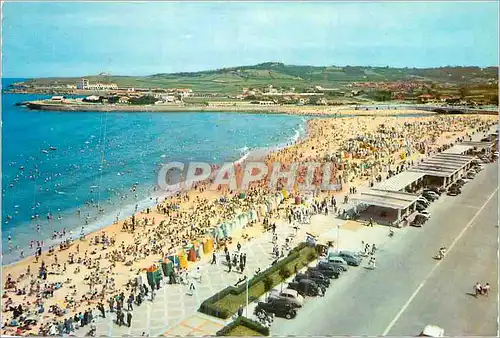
(331, 269)
(419, 220)
(453, 192)
(307, 287)
(420, 207)
(350, 258)
(429, 197)
(315, 276)
(434, 189)
(280, 308)
(330, 273)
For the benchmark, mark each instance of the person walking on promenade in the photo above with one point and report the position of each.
(129, 319)
(130, 301)
(100, 307)
(214, 259)
(477, 289)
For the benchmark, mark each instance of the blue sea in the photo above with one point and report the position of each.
(96, 158)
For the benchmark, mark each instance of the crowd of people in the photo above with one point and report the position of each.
(65, 289)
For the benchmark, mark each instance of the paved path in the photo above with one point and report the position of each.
(409, 289)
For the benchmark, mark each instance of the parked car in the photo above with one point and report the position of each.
(420, 207)
(337, 261)
(477, 168)
(425, 213)
(432, 331)
(470, 175)
(280, 308)
(429, 197)
(435, 190)
(350, 257)
(307, 287)
(431, 193)
(453, 192)
(419, 220)
(315, 276)
(423, 201)
(329, 270)
(290, 295)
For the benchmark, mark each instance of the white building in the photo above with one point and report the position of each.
(86, 85)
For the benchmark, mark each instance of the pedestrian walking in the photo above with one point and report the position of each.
(129, 319)
(100, 307)
(477, 289)
(485, 289)
(192, 288)
(118, 317)
(130, 301)
(214, 259)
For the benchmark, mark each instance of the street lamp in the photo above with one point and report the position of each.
(246, 311)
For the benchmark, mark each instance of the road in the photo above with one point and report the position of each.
(409, 289)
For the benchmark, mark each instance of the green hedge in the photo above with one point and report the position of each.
(210, 307)
(243, 321)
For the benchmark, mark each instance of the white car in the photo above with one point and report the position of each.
(432, 331)
(290, 295)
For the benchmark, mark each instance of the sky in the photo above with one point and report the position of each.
(42, 39)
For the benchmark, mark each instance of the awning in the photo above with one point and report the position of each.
(387, 199)
(458, 149)
(400, 181)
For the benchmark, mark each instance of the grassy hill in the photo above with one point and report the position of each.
(232, 80)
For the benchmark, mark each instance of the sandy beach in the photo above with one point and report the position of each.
(92, 270)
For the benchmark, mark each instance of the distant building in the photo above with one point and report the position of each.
(184, 92)
(86, 85)
(425, 98)
(83, 84)
(322, 101)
